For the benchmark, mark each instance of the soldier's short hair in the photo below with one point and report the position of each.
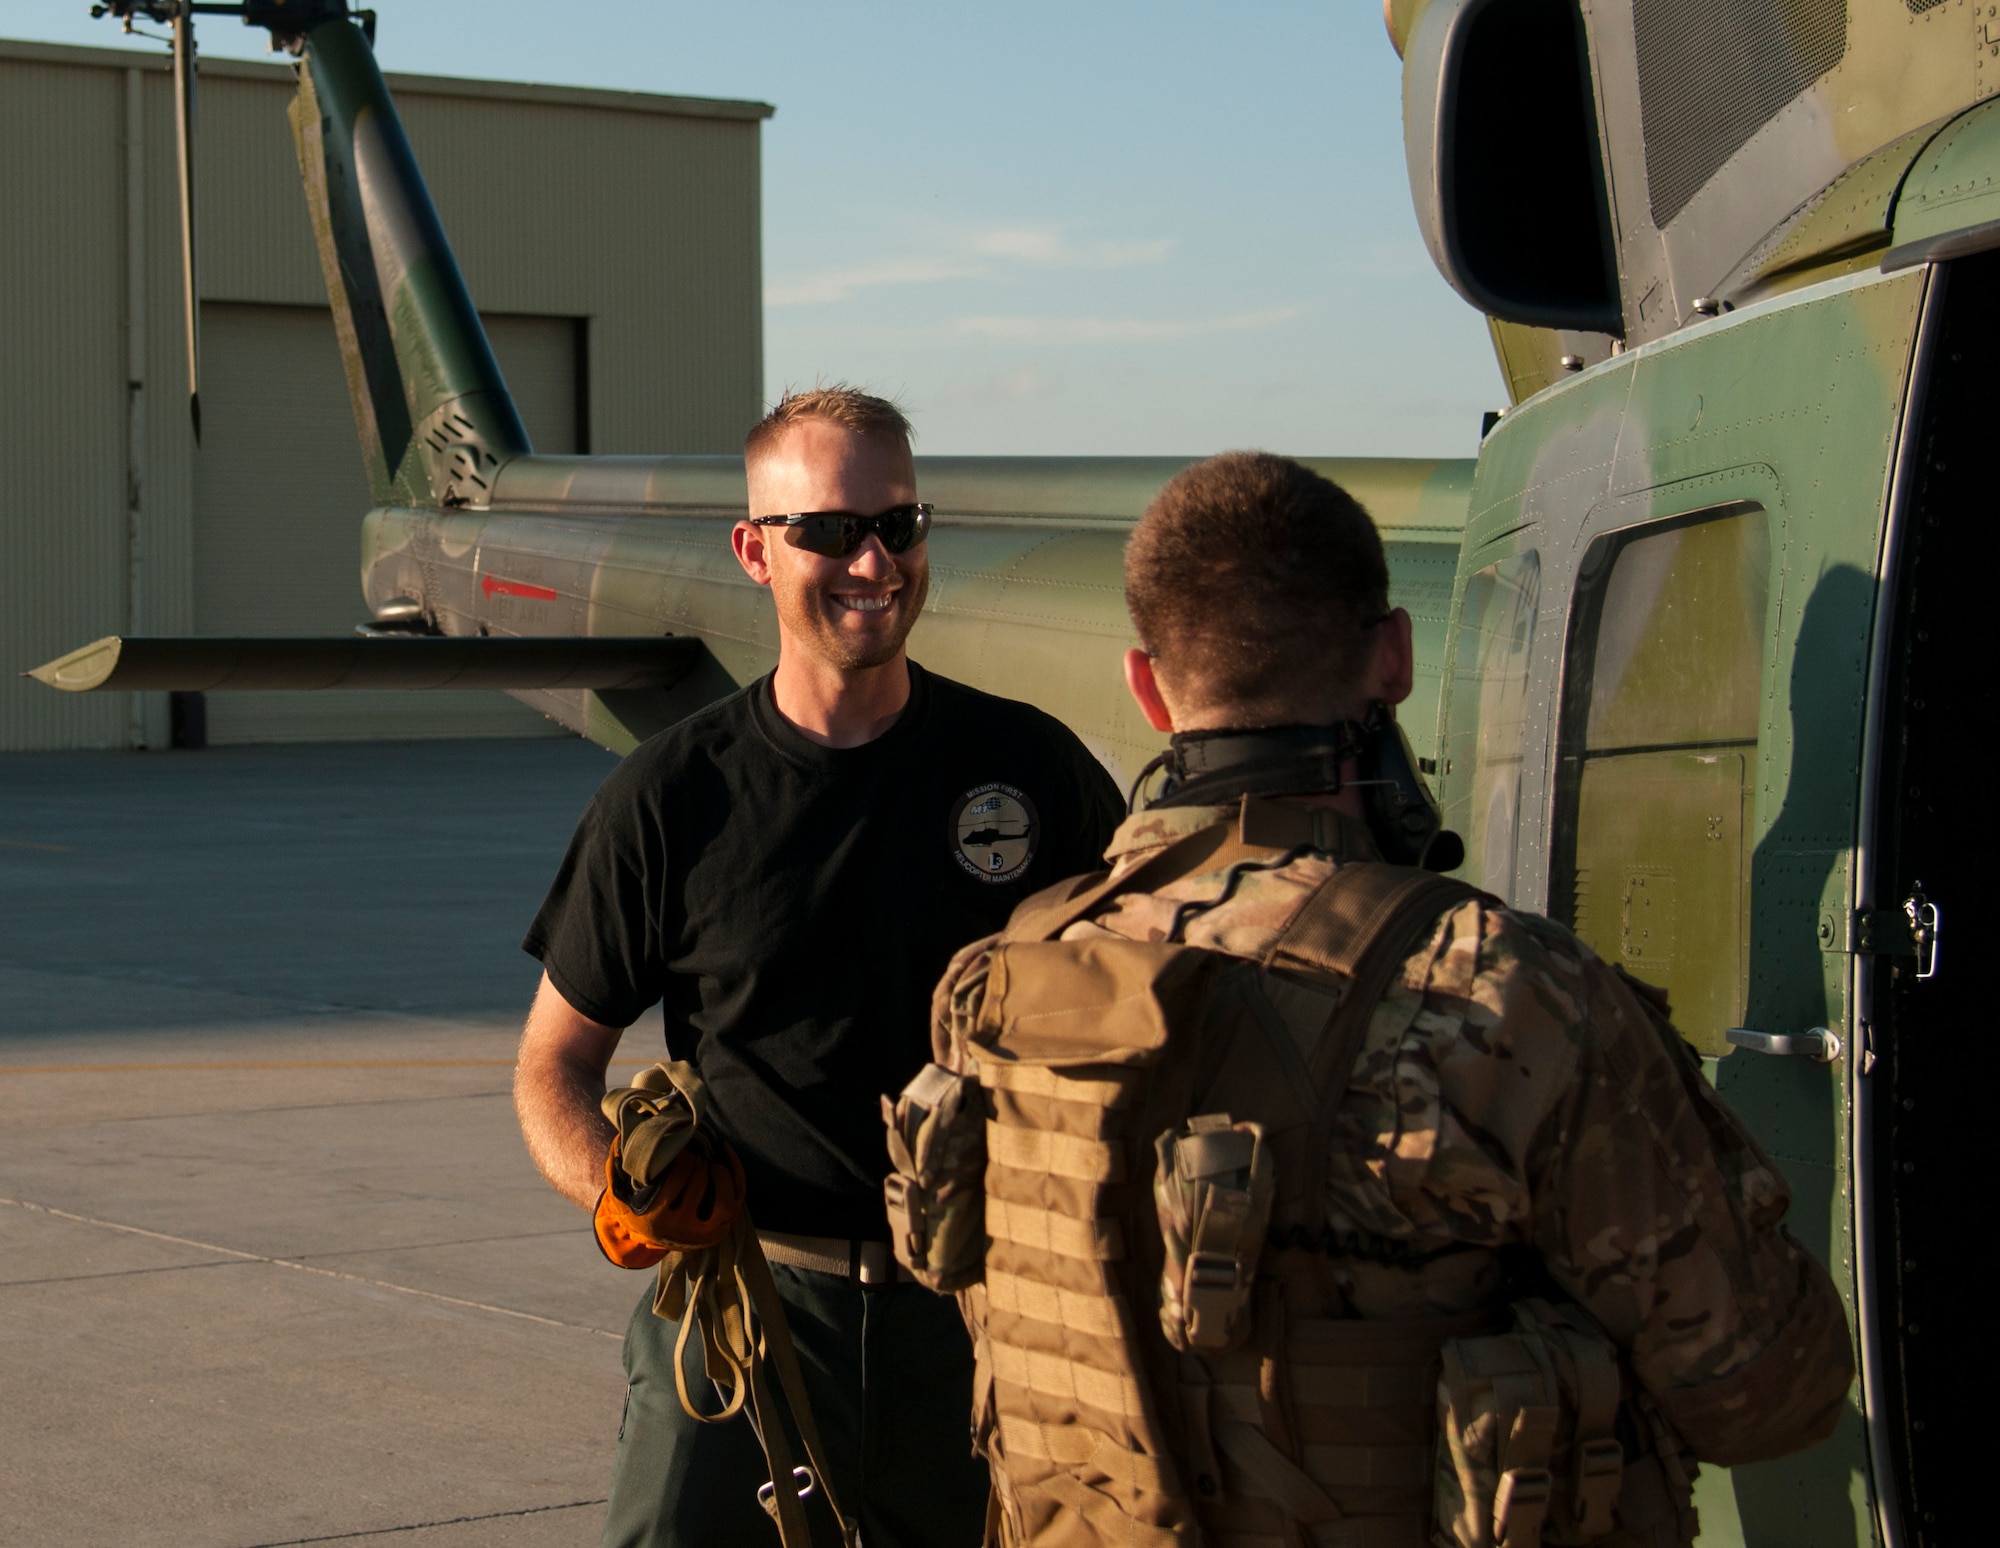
(862, 412)
(1246, 571)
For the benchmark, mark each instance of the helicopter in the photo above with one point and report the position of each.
(1692, 630)
(589, 586)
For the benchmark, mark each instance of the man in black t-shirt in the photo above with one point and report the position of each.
(789, 871)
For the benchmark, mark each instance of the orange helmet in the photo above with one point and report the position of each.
(693, 1205)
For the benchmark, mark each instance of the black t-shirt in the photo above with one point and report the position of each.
(792, 906)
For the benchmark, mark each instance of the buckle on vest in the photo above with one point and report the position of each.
(1520, 1506)
(1600, 1474)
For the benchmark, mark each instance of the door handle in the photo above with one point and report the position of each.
(1820, 1044)
(1926, 925)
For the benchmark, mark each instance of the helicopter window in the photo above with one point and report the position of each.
(1420, 577)
(1488, 715)
(1656, 756)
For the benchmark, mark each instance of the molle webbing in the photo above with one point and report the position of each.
(1098, 1435)
(1060, 1393)
(1359, 1401)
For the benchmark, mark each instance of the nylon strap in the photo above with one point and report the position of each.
(727, 1294)
(1600, 1460)
(762, 1291)
(1360, 926)
(1196, 1387)
(1278, 1477)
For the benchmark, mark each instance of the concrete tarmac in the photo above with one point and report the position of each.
(274, 1265)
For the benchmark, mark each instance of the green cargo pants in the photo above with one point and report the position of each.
(889, 1372)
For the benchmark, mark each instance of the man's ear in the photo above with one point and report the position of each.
(1146, 690)
(1393, 659)
(753, 551)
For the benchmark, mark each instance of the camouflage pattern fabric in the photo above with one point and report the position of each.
(1516, 1091)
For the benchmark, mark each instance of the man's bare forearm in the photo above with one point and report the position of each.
(558, 1084)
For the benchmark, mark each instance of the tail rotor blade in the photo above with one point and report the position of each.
(184, 72)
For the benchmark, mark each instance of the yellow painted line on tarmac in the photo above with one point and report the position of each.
(47, 849)
(302, 1268)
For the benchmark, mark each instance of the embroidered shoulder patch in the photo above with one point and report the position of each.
(994, 831)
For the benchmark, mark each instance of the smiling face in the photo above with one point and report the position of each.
(852, 612)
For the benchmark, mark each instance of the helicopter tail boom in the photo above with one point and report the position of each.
(435, 417)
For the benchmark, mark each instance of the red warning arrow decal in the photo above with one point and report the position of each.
(493, 586)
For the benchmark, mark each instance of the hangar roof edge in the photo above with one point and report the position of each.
(404, 85)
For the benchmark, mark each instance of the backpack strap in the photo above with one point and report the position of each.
(1359, 927)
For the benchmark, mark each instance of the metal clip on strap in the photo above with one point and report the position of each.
(767, 1491)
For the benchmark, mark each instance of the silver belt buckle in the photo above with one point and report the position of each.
(875, 1264)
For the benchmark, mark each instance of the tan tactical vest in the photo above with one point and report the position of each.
(1161, 1358)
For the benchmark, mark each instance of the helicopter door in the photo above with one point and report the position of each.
(1927, 910)
(1657, 753)
(1489, 709)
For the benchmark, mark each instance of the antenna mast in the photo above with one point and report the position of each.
(184, 71)
(288, 25)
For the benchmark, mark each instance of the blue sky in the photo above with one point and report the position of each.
(1058, 228)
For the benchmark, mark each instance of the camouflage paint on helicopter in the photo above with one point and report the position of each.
(1702, 561)
(1695, 631)
(1026, 580)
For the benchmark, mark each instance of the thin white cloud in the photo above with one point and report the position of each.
(1124, 329)
(1026, 243)
(1127, 255)
(974, 255)
(1049, 245)
(840, 284)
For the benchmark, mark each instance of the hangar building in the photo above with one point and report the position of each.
(610, 239)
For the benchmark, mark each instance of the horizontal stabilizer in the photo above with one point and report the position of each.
(416, 661)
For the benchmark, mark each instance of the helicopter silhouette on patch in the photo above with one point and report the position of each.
(994, 830)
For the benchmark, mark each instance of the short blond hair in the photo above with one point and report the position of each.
(849, 407)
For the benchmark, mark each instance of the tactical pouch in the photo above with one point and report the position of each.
(936, 1192)
(1529, 1452)
(1213, 1189)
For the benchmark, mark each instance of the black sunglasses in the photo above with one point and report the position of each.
(836, 534)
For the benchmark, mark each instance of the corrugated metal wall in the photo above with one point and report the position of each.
(62, 390)
(620, 230)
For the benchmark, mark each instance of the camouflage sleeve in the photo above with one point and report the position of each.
(1657, 1210)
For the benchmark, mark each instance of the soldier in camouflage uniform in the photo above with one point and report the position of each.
(1521, 1125)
